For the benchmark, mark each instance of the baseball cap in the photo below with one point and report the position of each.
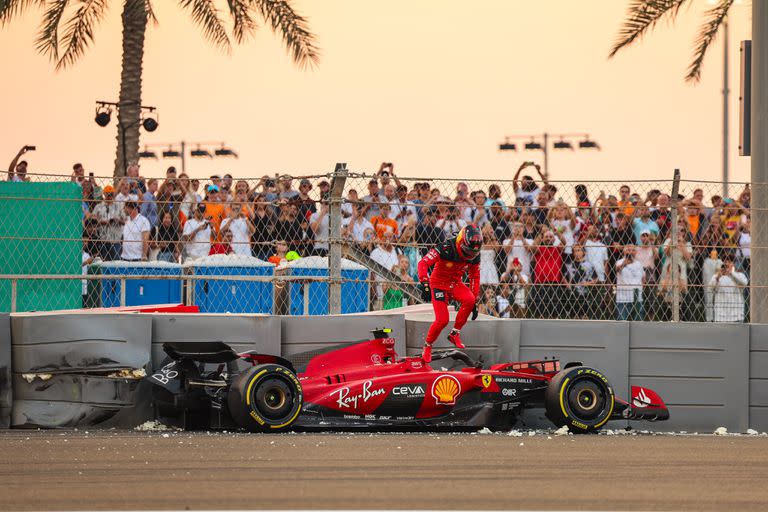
(645, 232)
(109, 189)
(213, 188)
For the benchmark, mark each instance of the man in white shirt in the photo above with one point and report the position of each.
(385, 255)
(519, 248)
(630, 276)
(355, 226)
(197, 235)
(241, 227)
(319, 222)
(135, 234)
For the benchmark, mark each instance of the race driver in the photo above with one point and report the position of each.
(451, 260)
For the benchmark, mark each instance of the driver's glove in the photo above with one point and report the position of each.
(426, 292)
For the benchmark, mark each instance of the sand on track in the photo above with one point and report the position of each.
(178, 470)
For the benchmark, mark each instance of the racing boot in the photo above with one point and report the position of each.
(426, 354)
(455, 338)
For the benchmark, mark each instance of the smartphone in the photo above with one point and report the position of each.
(90, 175)
(30, 148)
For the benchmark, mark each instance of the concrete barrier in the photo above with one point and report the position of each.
(710, 375)
(758, 377)
(65, 369)
(6, 390)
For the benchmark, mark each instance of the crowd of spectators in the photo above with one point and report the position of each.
(548, 252)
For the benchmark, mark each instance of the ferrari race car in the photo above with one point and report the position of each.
(365, 384)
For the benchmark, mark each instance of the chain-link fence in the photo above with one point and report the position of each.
(630, 250)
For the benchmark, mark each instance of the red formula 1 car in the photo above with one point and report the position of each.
(365, 384)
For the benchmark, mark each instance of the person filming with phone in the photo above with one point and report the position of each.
(17, 171)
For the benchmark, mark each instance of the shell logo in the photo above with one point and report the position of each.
(448, 264)
(445, 389)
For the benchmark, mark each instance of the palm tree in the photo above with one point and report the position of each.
(68, 26)
(643, 15)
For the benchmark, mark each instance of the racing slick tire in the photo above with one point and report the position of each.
(265, 398)
(579, 397)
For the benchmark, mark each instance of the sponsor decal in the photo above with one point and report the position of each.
(416, 364)
(445, 389)
(376, 359)
(487, 379)
(409, 390)
(166, 373)
(347, 400)
(641, 400)
(439, 295)
(512, 380)
(509, 392)
(449, 264)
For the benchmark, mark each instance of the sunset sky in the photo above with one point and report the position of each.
(431, 85)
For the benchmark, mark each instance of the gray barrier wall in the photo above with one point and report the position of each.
(64, 368)
(710, 375)
(758, 377)
(6, 392)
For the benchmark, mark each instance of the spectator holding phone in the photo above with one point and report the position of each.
(17, 171)
(241, 227)
(528, 189)
(197, 235)
(727, 286)
(630, 277)
(165, 238)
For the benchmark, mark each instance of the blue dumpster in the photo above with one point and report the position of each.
(231, 296)
(140, 292)
(354, 286)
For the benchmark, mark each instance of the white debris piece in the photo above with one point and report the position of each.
(515, 433)
(29, 377)
(128, 373)
(166, 435)
(751, 432)
(149, 426)
(485, 430)
(562, 431)
(721, 431)
(531, 433)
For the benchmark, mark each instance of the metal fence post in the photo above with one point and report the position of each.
(334, 239)
(14, 288)
(122, 292)
(758, 278)
(675, 255)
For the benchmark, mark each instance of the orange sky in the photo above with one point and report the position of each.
(431, 85)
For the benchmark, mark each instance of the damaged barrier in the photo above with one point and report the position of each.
(85, 369)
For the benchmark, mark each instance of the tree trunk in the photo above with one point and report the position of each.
(129, 114)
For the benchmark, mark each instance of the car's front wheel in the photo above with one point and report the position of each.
(579, 397)
(265, 398)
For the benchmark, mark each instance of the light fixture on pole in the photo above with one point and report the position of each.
(179, 150)
(104, 116)
(541, 142)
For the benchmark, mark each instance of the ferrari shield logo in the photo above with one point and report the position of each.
(487, 379)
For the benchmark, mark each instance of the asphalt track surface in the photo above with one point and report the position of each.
(46, 470)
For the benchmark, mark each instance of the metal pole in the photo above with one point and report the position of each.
(546, 155)
(14, 288)
(183, 157)
(306, 298)
(675, 256)
(334, 243)
(725, 108)
(122, 292)
(759, 142)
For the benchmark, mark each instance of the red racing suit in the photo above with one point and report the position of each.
(446, 283)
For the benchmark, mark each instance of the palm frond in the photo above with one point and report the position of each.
(293, 29)
(244, 26)
(642, 16)
(150, 12)
(714, 20)
(78, 31)
(12, 8)
(205, 14)
(47, 41)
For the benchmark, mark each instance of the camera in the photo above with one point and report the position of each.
(384, 174)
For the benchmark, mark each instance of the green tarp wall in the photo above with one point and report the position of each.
(41, 233)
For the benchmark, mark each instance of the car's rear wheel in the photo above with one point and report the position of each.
(579, 397)
(265, 398)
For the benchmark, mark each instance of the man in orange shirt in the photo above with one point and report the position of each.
(383, 223)
(624, 203)
(215, 211)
